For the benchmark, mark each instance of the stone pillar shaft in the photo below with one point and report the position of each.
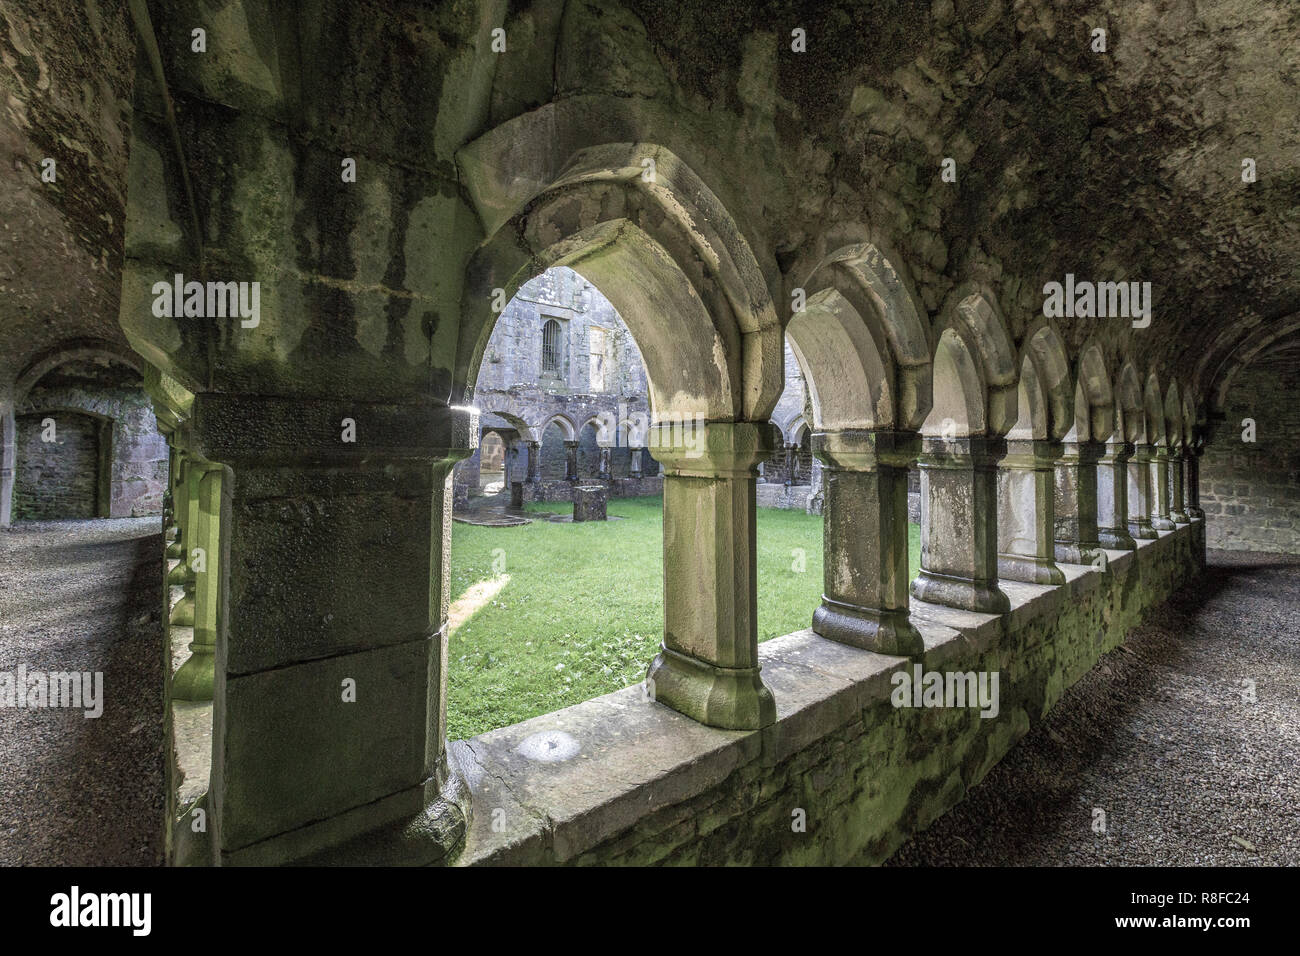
(1178, 503)
(707, 667)
(194, 679)
(1076, 503)
(1139, 493)
(534, 462)
(570, 461)
(865, 596)
(1112, 497)
(1160, 519)
(634, 463)
(1193, 462)
(8, 460)
(329, 703)
(183, 613)
(1027, 512)
(959, 524)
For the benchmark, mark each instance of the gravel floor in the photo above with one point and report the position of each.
(83, 595)
(1160, 738)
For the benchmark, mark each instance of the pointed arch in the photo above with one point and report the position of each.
(861, 343)
(1130, 417)
(976, 392)
(1045, 400)
(635, 221)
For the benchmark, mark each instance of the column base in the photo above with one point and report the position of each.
(426, 838)
(1116, 539)
(1030, 569)
(730, 698)
(1162, 524)
(1142, 530)
(963, 593)
(174, 550)
(1180, 517)
(1069, 552)
(1196, 514)
(193, 680)
(179, 574)
(183, 613)
(872, 629)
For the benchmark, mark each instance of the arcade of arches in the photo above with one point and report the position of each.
(307, 345)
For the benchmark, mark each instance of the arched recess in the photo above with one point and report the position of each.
(863, 349)
(975, 402)
(1026, 477)
(635, 221)
(561, 422)
(81, 456)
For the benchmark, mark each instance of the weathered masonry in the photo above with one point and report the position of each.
(392, 174)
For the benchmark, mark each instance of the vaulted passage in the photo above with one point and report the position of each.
(1177, 750)
(912, 352)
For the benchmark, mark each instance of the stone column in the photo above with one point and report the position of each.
(1160, 518)
(175, 480)
(1027, 512)
(791, 453)
(959, 524)
(1112, 497)
(865, 596)
(1139, 493)
(707, 667)
(634, 463)
(1193, 461)
(570, 461)
(1076, 502)
(1178, 504)
(193, 681)
(534, 462)
(602, 468)
(183, 574)
(331, 651)
(8, 460)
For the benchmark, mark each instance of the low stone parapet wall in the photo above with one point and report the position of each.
(844, 775)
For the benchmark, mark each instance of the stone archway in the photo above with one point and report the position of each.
(975, 385)
(637, 223)
(862, 346)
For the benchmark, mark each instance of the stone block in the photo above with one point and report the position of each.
(589, 503)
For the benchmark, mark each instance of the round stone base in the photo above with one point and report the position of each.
(731, 698)
(963, 593)
(872, 629)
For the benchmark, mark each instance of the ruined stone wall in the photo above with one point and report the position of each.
(514, 352)
(1250, 490)
(60, 478)
(129, 466)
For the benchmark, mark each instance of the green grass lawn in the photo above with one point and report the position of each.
(582, 614)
